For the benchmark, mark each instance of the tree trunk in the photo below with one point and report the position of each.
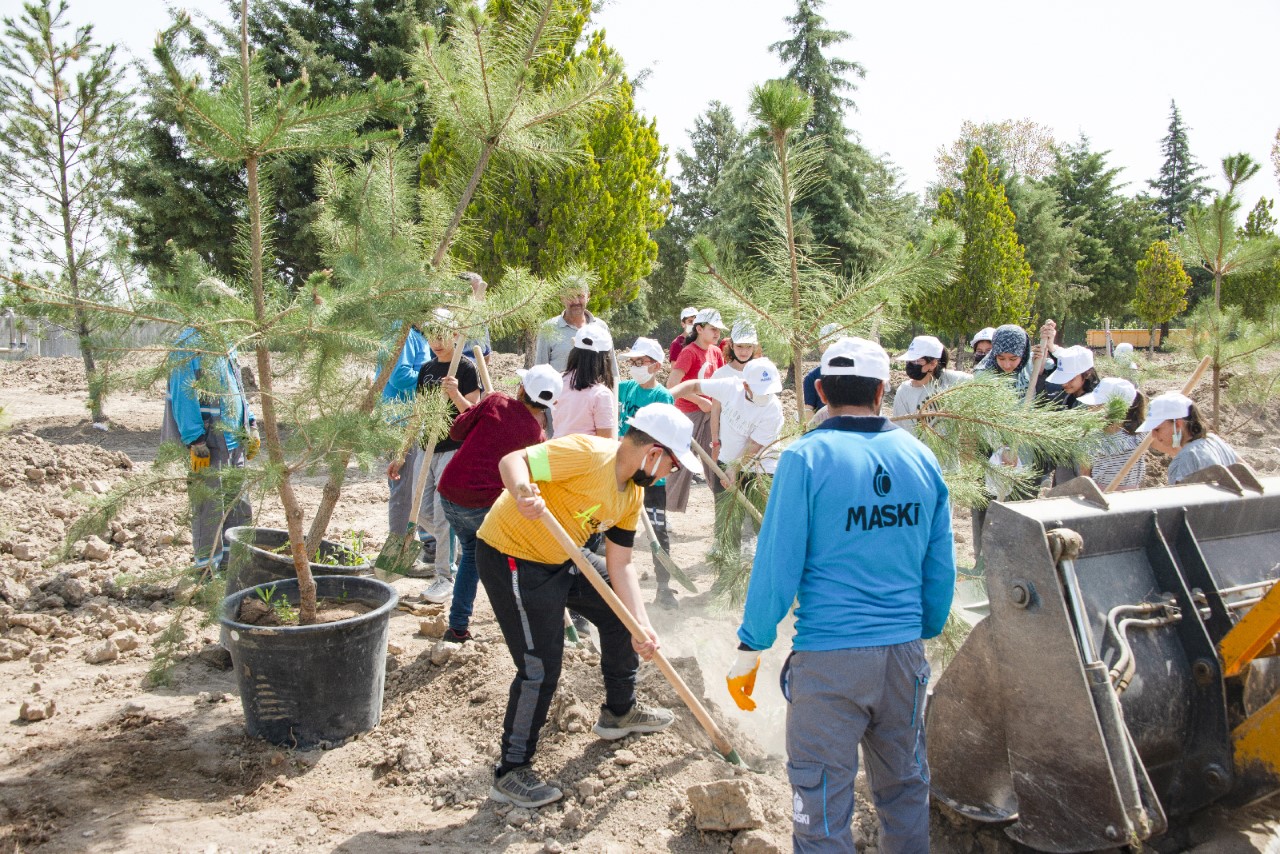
(1217, 349)
(96, 394)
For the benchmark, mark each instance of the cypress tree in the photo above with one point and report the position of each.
(1181, 184)
(994, 284)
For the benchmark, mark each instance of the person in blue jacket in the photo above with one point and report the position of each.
(858, 532)
(218, 430)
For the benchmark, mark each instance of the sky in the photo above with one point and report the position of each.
(1104, 68)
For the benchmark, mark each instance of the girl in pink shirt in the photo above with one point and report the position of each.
(586, 405)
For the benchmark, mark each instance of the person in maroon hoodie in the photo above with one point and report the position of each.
(488, 431)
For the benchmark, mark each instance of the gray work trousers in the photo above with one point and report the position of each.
(431, 514)
(838, 699)
(210, 502)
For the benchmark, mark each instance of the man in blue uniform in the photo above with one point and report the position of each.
(205, 409)
(858, 530)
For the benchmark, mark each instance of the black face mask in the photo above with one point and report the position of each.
(915, 371)
(644, 479)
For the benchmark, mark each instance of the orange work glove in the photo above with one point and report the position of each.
(199, 455)
(742, 678)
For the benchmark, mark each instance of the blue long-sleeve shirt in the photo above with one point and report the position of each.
(229, 412)
(858, 529)
(402, 385)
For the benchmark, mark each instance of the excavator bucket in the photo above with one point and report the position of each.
(1123, 674)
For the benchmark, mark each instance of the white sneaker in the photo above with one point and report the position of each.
(440, 591)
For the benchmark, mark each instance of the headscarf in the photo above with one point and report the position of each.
(1010, 338)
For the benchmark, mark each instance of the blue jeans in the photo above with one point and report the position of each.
(465, 521)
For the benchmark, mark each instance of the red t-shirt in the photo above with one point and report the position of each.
(697, 364)
(488, 431)
(677, 344)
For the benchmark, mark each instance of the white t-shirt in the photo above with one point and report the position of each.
(742, 419)
(726, 370)
(908, 399)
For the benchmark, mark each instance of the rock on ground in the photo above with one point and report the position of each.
(725, 805)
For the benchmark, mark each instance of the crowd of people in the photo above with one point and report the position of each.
(857, 529)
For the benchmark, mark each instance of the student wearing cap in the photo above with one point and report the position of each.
(1179, 430)
(1121, 439)
(1073, 377)
(488, 431)
(699, 359)
(858, 531)
(740, 347)
(634, 394)
(981, 343)
(590, 485)
(555, 336)
(686, 326)
(462, 391)
(927, 374)
(586, 405)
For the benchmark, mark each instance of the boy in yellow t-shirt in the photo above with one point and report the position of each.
(589, 484)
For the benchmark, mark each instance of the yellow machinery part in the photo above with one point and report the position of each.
(1258, 738)
(1253, 634)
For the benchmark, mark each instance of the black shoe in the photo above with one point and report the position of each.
(666, 599)
(452, 635)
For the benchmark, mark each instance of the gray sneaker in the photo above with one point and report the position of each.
(520, 786)
(639, 719)
(439, 591)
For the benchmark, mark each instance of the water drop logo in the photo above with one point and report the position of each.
(881, 482)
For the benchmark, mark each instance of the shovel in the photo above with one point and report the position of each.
(719, 472)
(659, 556)
(401, 549)
(722, 745)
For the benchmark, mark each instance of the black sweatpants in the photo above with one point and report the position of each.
(529, 601)
(655, 507)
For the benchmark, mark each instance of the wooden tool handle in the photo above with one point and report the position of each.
(719, 472)
(430, 449)
(485, 383)
(638, 632)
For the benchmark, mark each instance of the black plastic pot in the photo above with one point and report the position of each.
(254, 560)
(304, 685)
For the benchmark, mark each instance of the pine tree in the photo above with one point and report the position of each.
(994, 284)
(1212, 243)
(339, 46)
(1181, 185)
(597, 213)
(1255, 292)
(1112, 229)
(65, 124)
(1161, 294)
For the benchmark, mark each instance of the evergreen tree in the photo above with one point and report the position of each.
(65, 123)
(1111, 228)
(1212, 242)
(994, 284)
(715, 141)
(1161, 294)
(1181, 185)
(1255, 292)
(597, 213)
(1050, 244)
(338, 46)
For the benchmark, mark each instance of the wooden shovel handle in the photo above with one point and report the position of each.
(637, 631)
(430, 449)
(719, 472)
(486, 384)
(1188, 387)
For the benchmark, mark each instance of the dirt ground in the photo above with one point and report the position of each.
(120, 765)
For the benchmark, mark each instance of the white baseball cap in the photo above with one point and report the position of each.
(670, 428)
(1072, 362)
(594, 337)
(922, 347)
(688, 311)
(762, 376)
(712, 316)
(442, 316)
(1169, 406)
(869, 359)
(743, 333)
(645, 347)
(986, 333)
(542, 383)
(1109, 387)
(1124, 348)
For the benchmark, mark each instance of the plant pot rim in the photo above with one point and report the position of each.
(279, 558)
(231, 604)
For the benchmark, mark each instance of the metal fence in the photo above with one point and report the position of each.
(25, 337)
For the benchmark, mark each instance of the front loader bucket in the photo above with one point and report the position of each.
(1093, 702)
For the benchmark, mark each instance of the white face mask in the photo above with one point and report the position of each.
(642, 373)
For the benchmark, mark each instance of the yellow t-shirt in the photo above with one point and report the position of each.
(576, 477)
